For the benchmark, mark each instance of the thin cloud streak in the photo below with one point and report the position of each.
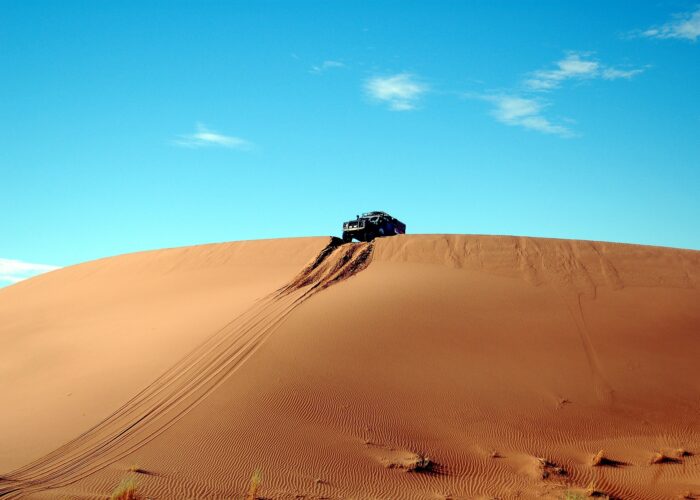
(325, 66)
(575, 66)
(204, 137)
(522, 108)
(400, 92)
(13, 271)
(570, 67)
(685, 26)
(524, 112)
(614, 74)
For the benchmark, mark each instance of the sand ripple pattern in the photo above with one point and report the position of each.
(183, 386)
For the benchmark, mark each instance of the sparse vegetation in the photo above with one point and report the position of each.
(547, 468)
(661, 458)
(138, 470)
(419, 463)
(415, 462)
(592, 491)
(599, 459)
(255, 482)
(126, 490)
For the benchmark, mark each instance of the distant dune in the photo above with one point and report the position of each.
(421, 366)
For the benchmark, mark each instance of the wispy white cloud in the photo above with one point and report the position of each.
(572, 66)
(524, 106)
(14, 271)
(325, 66)
(686, 26)
(575, 66)
(401, 92)
(524, 112)
(204, 137)
(614, 73)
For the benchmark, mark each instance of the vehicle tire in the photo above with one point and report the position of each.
(346, 238)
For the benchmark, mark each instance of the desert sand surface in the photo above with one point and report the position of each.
(417, 366)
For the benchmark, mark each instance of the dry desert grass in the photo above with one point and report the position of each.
(126, 490)
(255, 483)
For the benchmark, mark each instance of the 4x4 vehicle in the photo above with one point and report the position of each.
(371, 225)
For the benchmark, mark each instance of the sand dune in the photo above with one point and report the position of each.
(422, 366)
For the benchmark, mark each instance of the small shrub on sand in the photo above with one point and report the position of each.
(681, 453)
(125, 491)
(138, 470)
(255, 482)
(661, 458)
(599, 459)
(411, 462)
(592, 491)
(419, 463)
(546, 468)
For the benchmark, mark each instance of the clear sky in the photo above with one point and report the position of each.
(137, 125)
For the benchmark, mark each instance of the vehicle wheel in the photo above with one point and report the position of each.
(347, 238)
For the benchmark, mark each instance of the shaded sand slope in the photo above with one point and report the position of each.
(508, 361)
(78, 342)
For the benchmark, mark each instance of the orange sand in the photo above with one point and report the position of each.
(508, 362)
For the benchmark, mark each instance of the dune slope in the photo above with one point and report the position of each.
(80, 341)
(414, 367)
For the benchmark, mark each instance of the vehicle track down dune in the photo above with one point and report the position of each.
(188, 382)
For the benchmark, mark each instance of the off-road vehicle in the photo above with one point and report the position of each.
(371, 225)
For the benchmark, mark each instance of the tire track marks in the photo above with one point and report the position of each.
(167, 399)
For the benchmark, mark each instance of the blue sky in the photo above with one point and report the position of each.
(137, 125)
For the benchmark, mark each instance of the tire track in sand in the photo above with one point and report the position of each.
(188, 382)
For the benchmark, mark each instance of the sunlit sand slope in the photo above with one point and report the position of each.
(495, 366)
(79, 342)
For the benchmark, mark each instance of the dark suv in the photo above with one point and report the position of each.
(371, 225)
